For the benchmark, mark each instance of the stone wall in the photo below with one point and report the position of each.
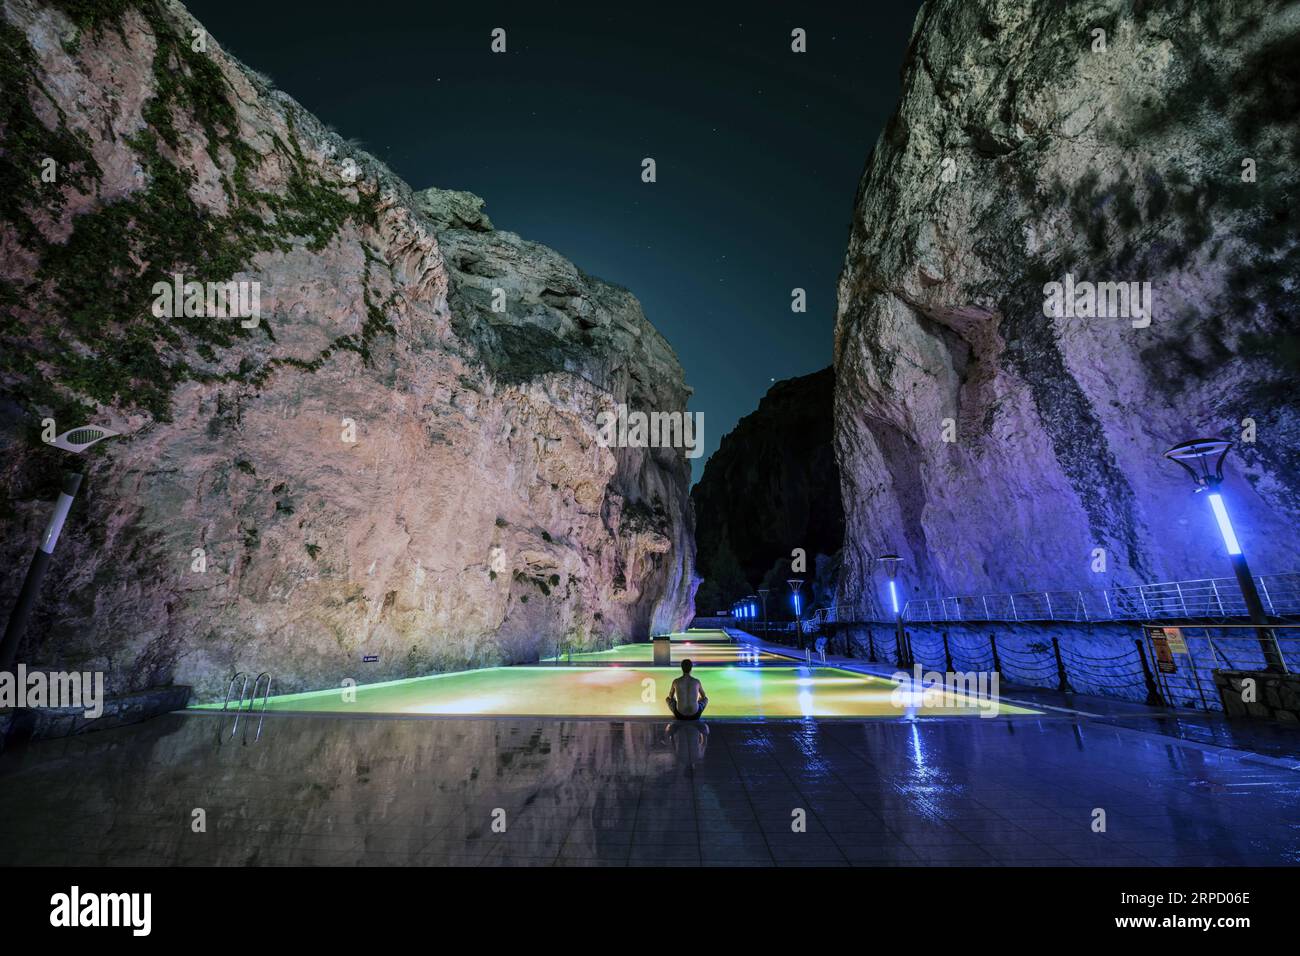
(1270, 696)
(772, 486)
(394, 470)
(27, 724)
(997, 448)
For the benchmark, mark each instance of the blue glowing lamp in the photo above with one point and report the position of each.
(1225, 524)
(891, 562)
(1202, 458)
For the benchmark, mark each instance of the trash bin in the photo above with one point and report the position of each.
(663, 651)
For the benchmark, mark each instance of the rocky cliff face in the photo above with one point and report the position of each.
(398, 459)
(996, 447)
(772, 486)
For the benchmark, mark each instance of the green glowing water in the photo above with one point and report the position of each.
(696, 652)
(700, 635)
(615, 691)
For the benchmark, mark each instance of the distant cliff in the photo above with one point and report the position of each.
(398, 460)
(996, 445)
(772, 486)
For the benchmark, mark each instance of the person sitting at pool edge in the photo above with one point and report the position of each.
(686, 698)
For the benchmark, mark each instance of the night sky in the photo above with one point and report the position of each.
(758, 149)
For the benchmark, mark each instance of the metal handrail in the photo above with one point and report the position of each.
(1206, 598)
(252, 701)
(226, 701)
(230, 687)
(266, 699)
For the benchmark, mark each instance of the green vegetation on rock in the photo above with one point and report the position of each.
(95, 337)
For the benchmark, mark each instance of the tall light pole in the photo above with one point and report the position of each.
(77, 440)
(1202, 458)
(797, 600)
(891, 562)
(762, 593)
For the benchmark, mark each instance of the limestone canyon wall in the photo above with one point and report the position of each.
(771, 486)
(1028, 145)
(398, 460)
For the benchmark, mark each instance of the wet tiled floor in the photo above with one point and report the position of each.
(323, 790)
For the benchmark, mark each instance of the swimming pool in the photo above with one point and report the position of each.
(694, 651)
(701, 636)
(633, 691)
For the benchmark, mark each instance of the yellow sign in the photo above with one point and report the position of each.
(1163, 643)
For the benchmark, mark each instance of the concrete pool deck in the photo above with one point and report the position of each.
(332, 790)
(1258, 740)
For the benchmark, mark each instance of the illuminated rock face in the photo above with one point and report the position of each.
(995, 447)
(397, 461)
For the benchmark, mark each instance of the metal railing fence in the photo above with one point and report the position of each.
(1205, 599)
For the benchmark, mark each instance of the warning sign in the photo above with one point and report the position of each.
(1165, 643)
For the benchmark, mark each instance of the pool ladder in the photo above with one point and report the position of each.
(252, 700)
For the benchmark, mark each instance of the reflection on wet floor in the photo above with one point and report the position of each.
(325, 790)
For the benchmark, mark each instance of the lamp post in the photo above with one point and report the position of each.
(891, 562)
(1202, 458)
(762, 593)
(77, 440)
(797, 600)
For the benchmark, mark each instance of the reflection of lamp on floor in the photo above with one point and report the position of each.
(1202, 458)
(76, 441)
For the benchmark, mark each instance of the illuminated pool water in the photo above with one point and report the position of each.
(695, 651)
(604, 691)
(706, 635)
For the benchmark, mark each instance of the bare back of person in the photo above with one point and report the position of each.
(686, 698)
